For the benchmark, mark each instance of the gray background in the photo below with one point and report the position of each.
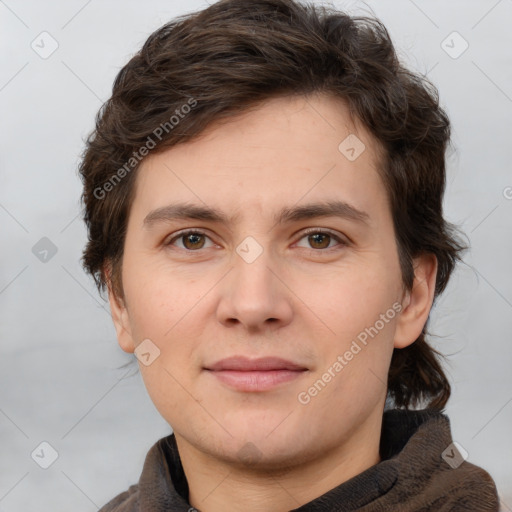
(60, 375)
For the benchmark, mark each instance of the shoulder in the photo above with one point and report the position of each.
(127, 501)
(432, 473)
(472, 489)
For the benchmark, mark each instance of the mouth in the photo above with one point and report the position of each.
(263, 374)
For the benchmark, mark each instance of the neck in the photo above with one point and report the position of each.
(216, 485)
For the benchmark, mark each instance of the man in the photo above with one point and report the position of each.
(263, 194)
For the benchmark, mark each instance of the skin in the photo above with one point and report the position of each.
(303, 298)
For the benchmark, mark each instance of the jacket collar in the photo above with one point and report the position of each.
(412, 471)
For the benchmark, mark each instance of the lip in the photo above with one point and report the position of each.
(245, 364)
(249, 375)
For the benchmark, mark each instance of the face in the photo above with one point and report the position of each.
(269, 278)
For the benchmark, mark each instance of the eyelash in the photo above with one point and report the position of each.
(342, 242)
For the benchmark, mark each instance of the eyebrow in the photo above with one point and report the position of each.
(187, 211)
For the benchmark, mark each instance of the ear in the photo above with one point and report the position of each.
(417, 302)
(120, 318)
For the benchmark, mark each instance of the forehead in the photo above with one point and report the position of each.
(286, 150)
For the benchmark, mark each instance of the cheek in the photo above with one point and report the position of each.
(359, 308)
(350, 299)
(165, 309)
(162, 311)
(157, 298)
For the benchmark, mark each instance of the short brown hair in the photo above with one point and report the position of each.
(231, 57)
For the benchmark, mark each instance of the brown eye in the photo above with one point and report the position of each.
(318, 240)
(194, 239)
(191, 240)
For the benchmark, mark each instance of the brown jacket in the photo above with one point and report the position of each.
(420, 471)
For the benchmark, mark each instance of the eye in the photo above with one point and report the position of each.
(320, 239)
(192, 239)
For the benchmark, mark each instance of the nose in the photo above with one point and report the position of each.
(254, 293)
